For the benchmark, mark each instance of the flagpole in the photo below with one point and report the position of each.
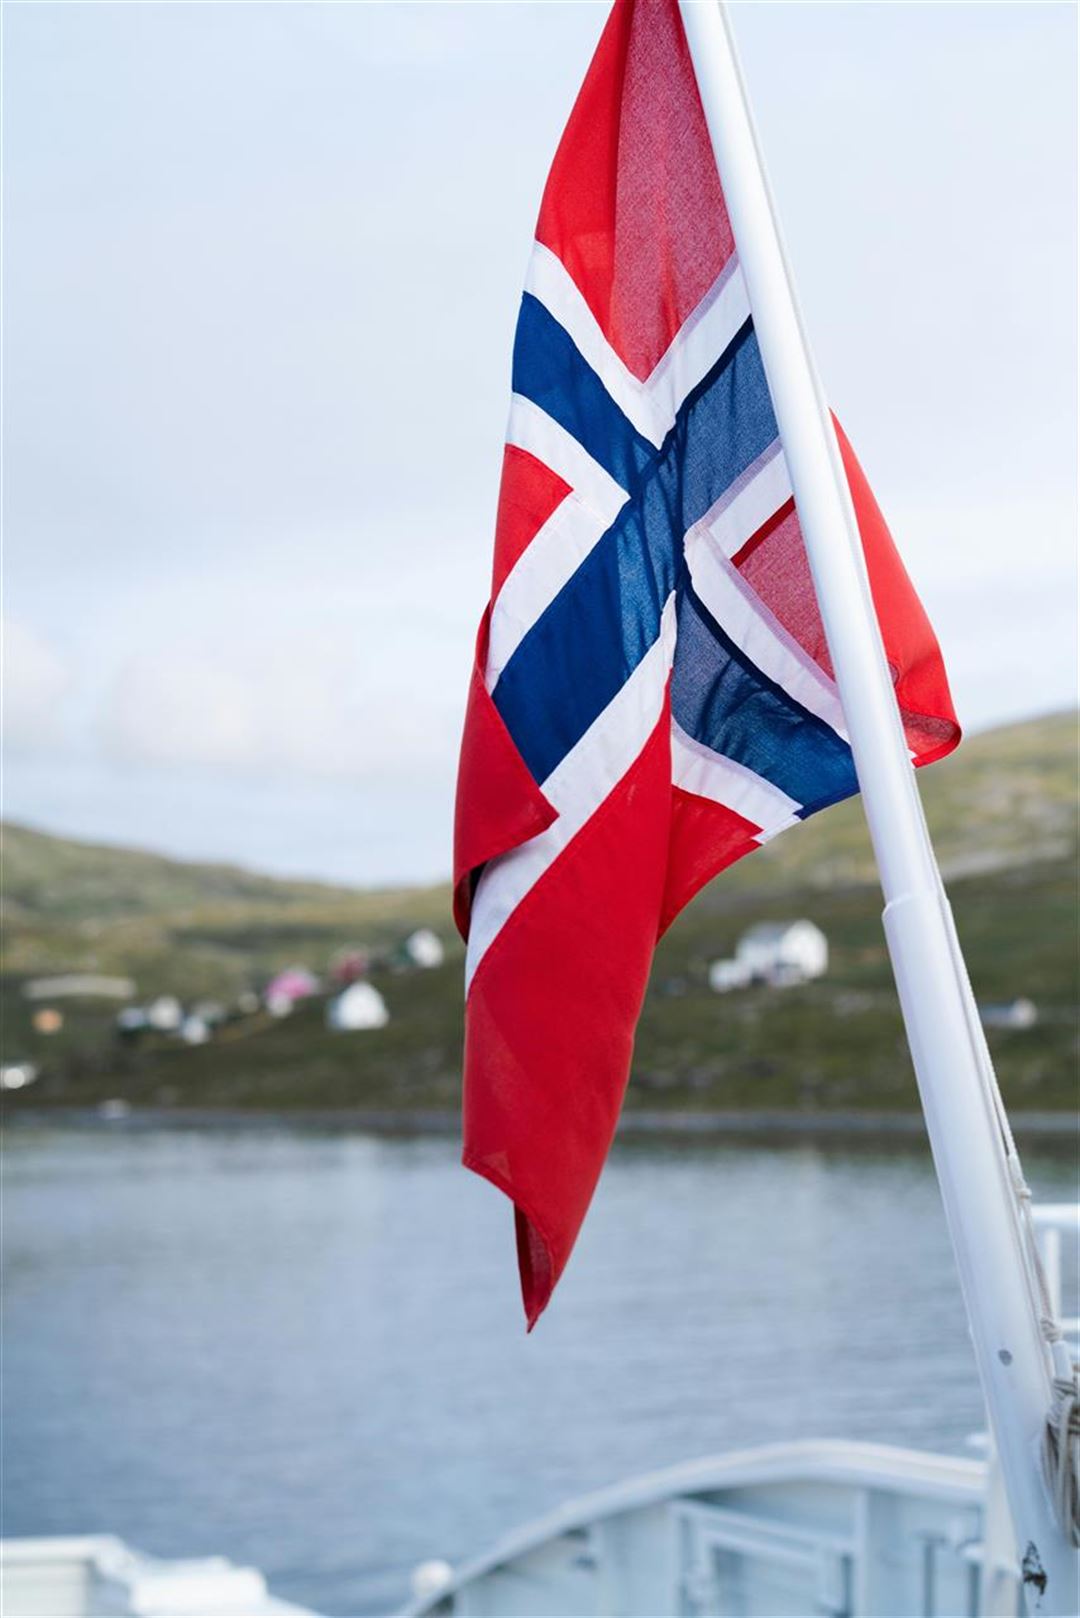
(963, 1128)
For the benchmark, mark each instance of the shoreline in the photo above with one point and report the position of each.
(780, 1124)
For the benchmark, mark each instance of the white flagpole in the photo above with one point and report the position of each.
(964, 1132)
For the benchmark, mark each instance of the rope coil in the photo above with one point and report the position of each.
(1061, 1454)
(1061, 1439)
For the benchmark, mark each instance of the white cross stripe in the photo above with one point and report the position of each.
(746, 619)
(534, 430)
(550, 561)
(751, 500)
(651, 405)
(697, 769)
(576, 788)
(552, 284)
(562, 543)
(704, 337)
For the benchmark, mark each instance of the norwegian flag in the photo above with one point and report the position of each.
(652, 696)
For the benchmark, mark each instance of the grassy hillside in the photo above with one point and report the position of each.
(191, 929)
(1003, 813)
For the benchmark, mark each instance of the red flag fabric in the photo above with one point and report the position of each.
(652, 696)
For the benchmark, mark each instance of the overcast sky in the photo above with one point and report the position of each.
(261, 272)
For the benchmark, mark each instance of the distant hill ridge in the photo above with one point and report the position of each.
(62, 876)
(1007, 796)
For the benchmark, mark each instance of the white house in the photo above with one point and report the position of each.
(194, 1030)
(774, 952)
(16, 1075)
(784, 951)
(424, 948)
(359, 1006)
(165, 1014)
(1019, 1013)
(725, 975)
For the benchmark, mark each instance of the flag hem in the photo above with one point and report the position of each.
(534, 1296)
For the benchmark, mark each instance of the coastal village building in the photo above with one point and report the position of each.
(726, 975)
(1020, 1013)
(194, 1030)
(79, 986)
(424, 948)
(165, 1014)
(779, 953)
(283, 991)
(357, 1007)
(784, 947)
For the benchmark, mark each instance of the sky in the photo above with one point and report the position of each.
(261, 268)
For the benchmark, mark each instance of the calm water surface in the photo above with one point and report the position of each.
(307, 1351)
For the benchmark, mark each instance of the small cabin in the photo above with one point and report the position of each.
(165, 1014)
(358, 1007)
(194, 1030)
(1020, 1013)
(424, 948)
(779, 953)
(784, 951)
(288, 988)
(727, 975)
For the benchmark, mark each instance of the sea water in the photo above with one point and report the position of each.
(306, 1351)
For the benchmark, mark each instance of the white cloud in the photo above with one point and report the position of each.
(36, 681)
(350, 664)
(318, 705)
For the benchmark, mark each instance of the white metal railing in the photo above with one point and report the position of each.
(725, 1553)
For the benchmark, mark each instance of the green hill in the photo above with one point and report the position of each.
(1003, 814)
(191, 929)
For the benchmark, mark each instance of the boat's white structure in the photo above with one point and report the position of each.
(792, 1529)
(98, 1576)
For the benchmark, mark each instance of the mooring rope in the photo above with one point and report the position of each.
(1061, 1453)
